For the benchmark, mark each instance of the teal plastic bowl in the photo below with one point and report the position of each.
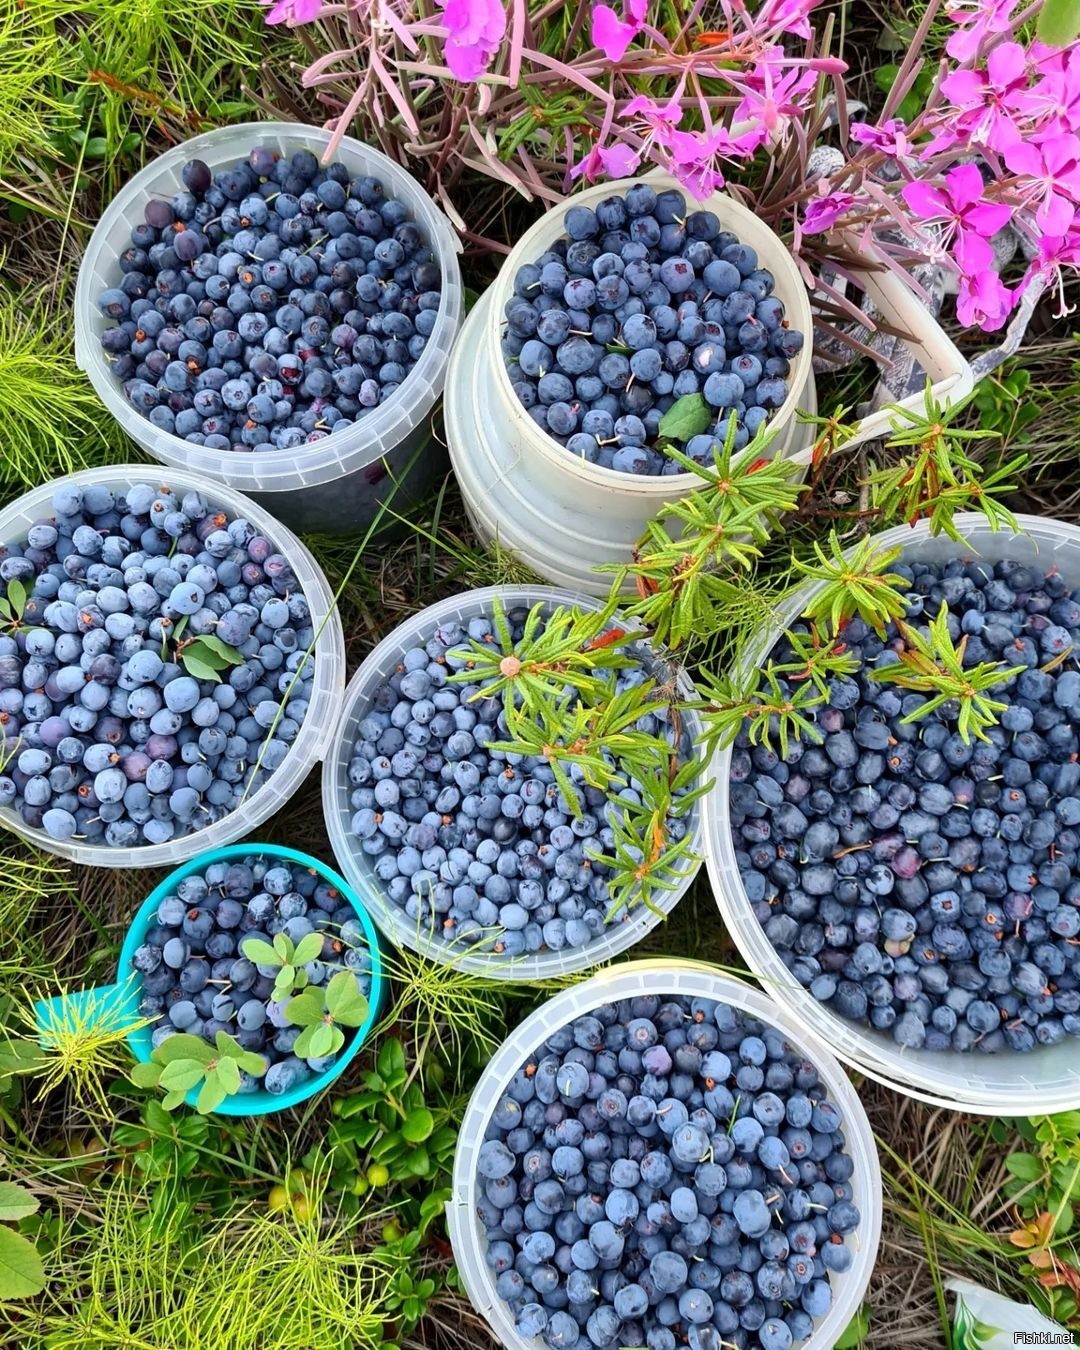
(122, 999)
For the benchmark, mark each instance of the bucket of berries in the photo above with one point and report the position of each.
(171, 665)
(627, 331)
(247, 982)
(894, 830)
(660, 1156)
(492, 821)
(277, 316)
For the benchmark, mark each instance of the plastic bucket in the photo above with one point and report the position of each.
(327, 685)
(559, 513)
(335, 484)
(358, 868)
(120, 1002)
(1044, 1081)
(666, 977)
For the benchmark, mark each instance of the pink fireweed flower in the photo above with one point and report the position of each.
(609, 161)
(969, 220)
(652, 123)
(823, 212)
(474, 31)
(611, 34)
(890, 138)
(1056, 97)
(983, 301)
(293, 12)
(991, 104)
(694, 158)
(773, 95)
(1052, 167)
(790, 16)
(1053, 256)
(977, 19)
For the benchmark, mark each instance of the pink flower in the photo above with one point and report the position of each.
(654, 124)
(1053, 167)
(823, 212)
(977, 19)
(773, 94)
(982, 300)
(474, 31)
(611, 34)
(959, 204)
(611, 161)
(1056, 97)
(292, 12)
(1052, 257)
(890, 138)
(991, 101)
(790, 16)
(694, 158)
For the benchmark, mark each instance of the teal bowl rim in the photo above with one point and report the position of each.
(258, 1103)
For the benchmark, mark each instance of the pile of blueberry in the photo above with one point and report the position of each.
(194, 976)
(665, 1173)
(924, 886)
(109, 739)
(477, 846)
(642, 303)
(270, 304)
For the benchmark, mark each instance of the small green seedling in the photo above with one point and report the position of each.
(323, 1011)
(203, 655)
(13, 604)
(181, 1062)
(857, 584)
(290, 960)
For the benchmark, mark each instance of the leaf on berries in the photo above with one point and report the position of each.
(688, 416)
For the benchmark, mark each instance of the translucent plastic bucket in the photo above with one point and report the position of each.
(1045, 1080)
(327, 684)
(357, 866)
(559, 513)
(665, 978)
(334, 484)
(119, 1003)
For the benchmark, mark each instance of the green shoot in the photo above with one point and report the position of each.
(938, 478)
(564, 650)
(855, 582)
(935, 665)
(13, 604)
(771, 708)
(184, 1062)
(648, 855)
(323, 1011)
(202, 655)
(289, 960)
(443, 1004)
(83, 1041)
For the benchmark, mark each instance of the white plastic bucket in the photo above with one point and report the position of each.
(358, 868)
(665, 977)
(1043, 1081)
(327, 684)
(560, 514)
(331, 485)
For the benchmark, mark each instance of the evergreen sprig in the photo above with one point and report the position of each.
(933, 664)
(855, 582)
(937, 478)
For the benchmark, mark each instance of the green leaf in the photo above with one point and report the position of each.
(178, 628)
(391, 1064)
(283, 946)
(183, 1046)
(302, 1044)
(182, 1075)
(418, 1125)
(145, 1074)
(1025, 1166)
(201, 670)
(228, 1075)
(1058, 24)
(260, 952)
(418, 1162)
(172, 1100)
(344, 1001)
(227, 1045)
(220, 649)
(252, 1062)
(309, 948)
(211, 1095)
(688, 416)
(322, 1040)
(857, 1329)
(16, 595)
(16, 1202)
(306, 1008)
(21, 1271)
